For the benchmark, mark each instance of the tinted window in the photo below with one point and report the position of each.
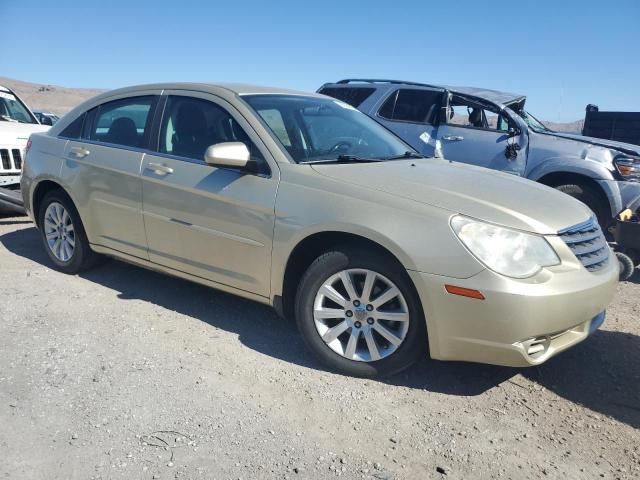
(352, 95)
(123, 122)
(191, 125)
(408, 105)
(74, 129)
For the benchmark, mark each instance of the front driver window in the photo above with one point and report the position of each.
(190, 125)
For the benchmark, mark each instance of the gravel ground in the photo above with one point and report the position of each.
(125, 373)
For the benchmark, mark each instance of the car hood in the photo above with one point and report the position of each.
(477, 192)
(627, 148)
(14, 133)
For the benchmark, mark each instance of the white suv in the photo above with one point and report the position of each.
(17, 122)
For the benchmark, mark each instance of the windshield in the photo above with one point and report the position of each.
(315, 129)
(532, 121)
(13, 110)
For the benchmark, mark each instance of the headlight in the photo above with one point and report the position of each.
(628, 168)
(505, 251)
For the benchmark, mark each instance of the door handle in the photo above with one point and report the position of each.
(79, 152)
(453, 138)
(159, 168)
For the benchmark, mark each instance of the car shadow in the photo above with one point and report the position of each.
(602, 373)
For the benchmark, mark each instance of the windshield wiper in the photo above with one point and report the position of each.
(344, 159)
(407, 154)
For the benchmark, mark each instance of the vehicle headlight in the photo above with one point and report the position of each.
(628, 168)
(505, 251)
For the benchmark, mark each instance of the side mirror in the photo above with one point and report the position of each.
(228, 154)
(512, 132)
(46, 120)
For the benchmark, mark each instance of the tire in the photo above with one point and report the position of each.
(627, 266)
(592, 199)
(363, 359)
(60, 225)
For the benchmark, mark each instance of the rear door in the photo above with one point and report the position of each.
(478, 133)
(412, 113)
(103, 168)
(215, 223)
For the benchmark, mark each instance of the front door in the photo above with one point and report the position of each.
(215, 223)
(479, 134)
(103, 165)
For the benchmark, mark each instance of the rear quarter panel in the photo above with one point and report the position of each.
(43, 162)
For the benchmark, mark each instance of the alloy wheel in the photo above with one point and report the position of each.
(361, 315)
(59, 231)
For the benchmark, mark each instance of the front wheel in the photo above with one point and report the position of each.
(358, 311)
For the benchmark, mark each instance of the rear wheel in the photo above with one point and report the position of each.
(592, 199)
(63, 235)
(359, 313)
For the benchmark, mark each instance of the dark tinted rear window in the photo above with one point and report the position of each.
(354, 96)
(409, 105)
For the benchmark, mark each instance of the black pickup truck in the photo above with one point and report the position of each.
(619, 126)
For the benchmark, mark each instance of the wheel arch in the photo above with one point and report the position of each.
(307, 249)
(39, 191)
(558, 178)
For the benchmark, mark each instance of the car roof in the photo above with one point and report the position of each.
(216, 88)
(493, 96)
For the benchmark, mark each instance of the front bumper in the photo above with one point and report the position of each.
(520, 322)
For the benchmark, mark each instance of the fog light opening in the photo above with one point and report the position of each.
(537, 347)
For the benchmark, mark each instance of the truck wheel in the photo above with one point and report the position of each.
(358, 311)
(627, 266)
(587, 195)
(63, 235)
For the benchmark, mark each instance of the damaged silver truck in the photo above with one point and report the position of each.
(492, 129)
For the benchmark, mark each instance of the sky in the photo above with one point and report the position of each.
(561, 54)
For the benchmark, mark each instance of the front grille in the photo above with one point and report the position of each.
(588, 244)
(17, 159)
(6, 161)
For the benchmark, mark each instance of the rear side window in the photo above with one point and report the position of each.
(354, 96)
(123, 122)
(411, 105)
(74, 129)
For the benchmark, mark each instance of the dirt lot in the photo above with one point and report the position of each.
(125, 373)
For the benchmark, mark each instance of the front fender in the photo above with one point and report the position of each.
(418, 235)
